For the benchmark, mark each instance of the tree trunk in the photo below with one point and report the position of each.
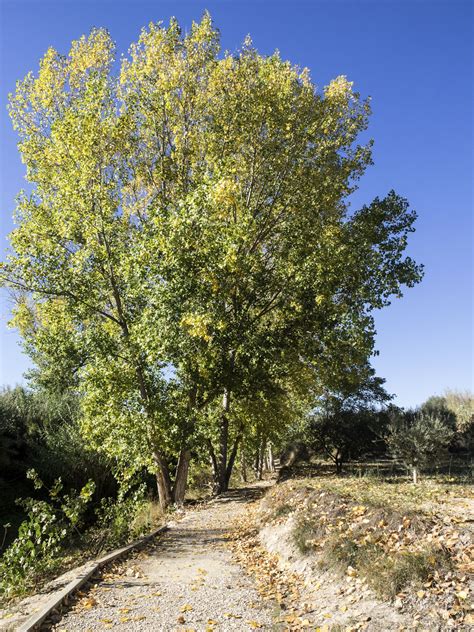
(270, 459)
(182, 468)
(233, 454)
(163, 480)
(213, 458)
(181, 479)
(261, 461)
(257, 459)
(414, 472)
(243, 467)
(220, 480)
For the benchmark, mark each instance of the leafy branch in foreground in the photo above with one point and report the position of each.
(41, 536)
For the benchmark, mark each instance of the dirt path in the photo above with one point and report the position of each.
(184, 581)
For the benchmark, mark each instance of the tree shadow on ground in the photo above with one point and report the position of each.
(241, 495)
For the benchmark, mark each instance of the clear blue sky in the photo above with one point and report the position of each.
(413, 57)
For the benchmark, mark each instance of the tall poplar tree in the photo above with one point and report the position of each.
(188, 241)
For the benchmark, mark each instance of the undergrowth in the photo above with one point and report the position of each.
(386, 573)
(55, 535)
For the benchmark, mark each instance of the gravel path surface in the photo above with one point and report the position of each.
(185, 581)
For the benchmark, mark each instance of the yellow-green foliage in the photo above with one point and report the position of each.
(190, 210)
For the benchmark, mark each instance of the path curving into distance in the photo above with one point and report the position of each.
(186, 580)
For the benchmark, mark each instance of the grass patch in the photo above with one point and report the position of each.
(280, 512)
(388, 532)
(387, 574)
(306, 533)
(303, 534)
(390, 494)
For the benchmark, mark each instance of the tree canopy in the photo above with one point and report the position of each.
(187, 246)
(418, 438)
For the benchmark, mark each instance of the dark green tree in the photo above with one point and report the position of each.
(350, 421)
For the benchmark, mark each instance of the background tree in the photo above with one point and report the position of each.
(461, 403)
(437, 406)
(417, 439)
(350, 421)
(456, 409)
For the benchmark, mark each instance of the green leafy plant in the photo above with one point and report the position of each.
(416, 439)
(117, 519)
(41, 536)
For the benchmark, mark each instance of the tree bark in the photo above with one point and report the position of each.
(220, 480)
(414, 472)
(270, 459)
(182, 468)
(233, 454)
(213, 458)
(163, 480)
(261, 460)
(243, 467)
(181, 478)
(257, 458)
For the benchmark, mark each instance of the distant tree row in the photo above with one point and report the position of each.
(347, 425)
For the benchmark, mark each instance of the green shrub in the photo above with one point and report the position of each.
(40, 538)
(389, 574)
(304, 532)
(41, 430)
(200, 480)
(119, 521)
(418, 439)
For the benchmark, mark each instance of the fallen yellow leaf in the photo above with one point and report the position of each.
(89, 603)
